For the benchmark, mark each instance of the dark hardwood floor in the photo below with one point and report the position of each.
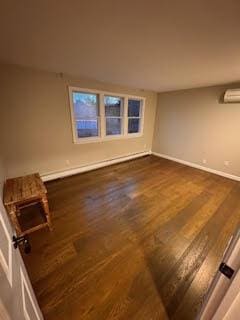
(138, 240)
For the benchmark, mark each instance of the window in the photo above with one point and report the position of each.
(134, 115)
(113, 115)
(100, 116)
(86, 114)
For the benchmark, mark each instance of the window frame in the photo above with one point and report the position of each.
(140, 117)
(102, 118)
(88, 119)
(121, 117)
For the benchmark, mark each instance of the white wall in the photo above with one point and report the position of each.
(36, 122)
(2, 175)
(195, 124)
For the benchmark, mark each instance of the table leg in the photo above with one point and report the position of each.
(12, 210)
(44, 202)
(18, 211)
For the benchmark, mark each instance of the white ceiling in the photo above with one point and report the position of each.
(160, 45)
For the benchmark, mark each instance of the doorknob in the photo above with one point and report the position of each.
(22, 240)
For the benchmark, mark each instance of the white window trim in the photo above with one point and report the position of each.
(102, 124)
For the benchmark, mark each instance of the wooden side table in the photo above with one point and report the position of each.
(22, 192)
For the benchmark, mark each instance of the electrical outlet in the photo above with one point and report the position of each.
(226, 163)
(204, 161)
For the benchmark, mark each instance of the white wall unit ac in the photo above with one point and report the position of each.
(232, 95)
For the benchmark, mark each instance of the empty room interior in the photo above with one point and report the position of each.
(119, 160)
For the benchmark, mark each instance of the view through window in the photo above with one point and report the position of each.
(86, 113)
(98, 116)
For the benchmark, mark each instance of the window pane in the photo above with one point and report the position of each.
(85, 105)
(134, 108)
(113, 126)
(87, 128)
(133, 125)
(113, 106)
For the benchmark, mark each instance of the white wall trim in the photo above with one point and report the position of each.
(197, 166)
(93, 166)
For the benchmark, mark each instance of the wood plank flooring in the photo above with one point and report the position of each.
(139, 240)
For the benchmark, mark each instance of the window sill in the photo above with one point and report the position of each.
(108, 138)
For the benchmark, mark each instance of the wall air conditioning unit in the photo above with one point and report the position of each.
(232, 95)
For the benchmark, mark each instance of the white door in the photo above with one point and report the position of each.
(223, 299)
(17, 299)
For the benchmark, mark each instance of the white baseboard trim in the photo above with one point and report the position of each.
(197, 166)
(69, 172)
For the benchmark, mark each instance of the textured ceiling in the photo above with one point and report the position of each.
(158, 45)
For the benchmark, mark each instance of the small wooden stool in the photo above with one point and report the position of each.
(22, 192)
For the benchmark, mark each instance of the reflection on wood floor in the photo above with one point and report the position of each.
(138, 240)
